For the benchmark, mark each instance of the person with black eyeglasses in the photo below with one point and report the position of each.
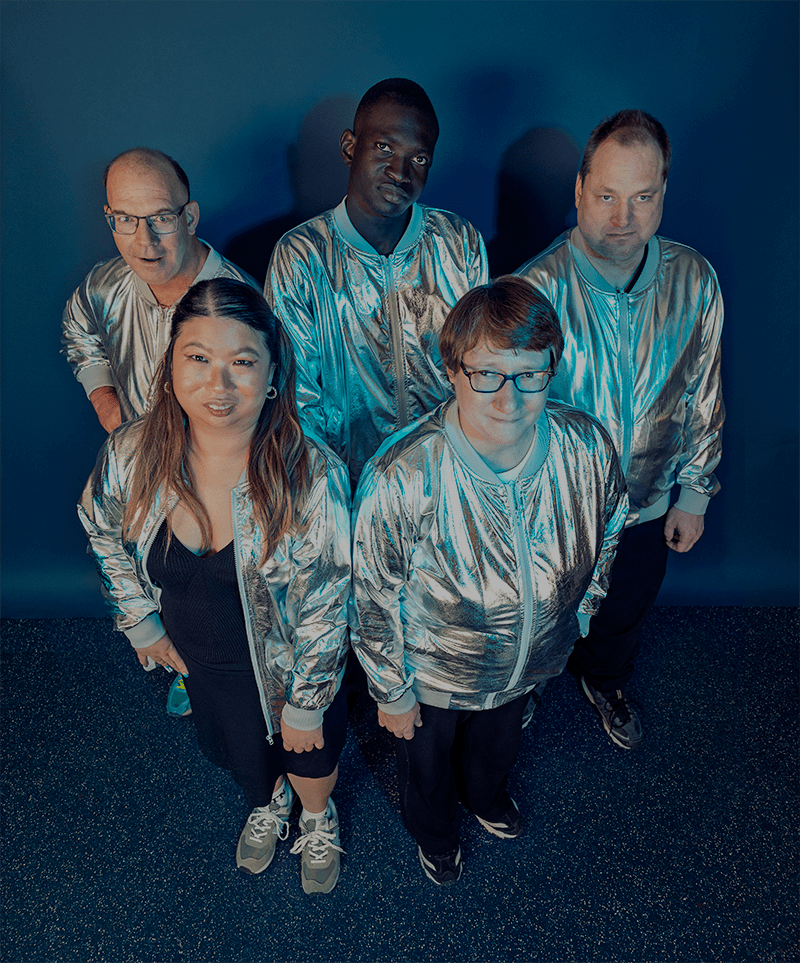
(483, 538)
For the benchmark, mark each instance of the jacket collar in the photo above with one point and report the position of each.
(596, 279)
(354, 239)
(210, 269)
(473, 460)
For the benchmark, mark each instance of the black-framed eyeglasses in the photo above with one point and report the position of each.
(158, 223)
(528, 382)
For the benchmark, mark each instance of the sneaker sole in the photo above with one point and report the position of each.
(498, 832)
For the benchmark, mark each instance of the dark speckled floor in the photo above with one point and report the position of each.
(119, 837)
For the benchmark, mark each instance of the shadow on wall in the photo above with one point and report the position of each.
(318, 181)
(535, 196)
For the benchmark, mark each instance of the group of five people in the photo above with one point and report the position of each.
(381, 361)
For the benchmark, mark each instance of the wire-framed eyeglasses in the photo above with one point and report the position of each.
(165, 223)
(528, 382)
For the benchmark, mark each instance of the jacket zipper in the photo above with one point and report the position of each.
(525, 585)
(237, 549)
(397, 345)
(626, 386)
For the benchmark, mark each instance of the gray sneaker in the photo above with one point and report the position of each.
(319, 844)
(618, 717)
(264, 827)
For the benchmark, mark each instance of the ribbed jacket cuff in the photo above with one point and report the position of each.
(303, 719)
(146, 632)
(404, 704)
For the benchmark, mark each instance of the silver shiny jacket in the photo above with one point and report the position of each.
(467, 588)
(646, 364)
(294, 604)
(115, 333)
(365, 326)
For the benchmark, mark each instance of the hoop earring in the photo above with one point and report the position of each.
(166, 386)
(272, 392)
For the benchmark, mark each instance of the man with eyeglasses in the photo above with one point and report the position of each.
(116, 326)
(642, 319)
(483, 538)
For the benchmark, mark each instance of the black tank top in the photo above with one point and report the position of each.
(200, 604)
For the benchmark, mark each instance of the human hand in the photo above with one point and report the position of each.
(298, 740)
(106, 405)
(164, 653)
(402, 726)
(682, 529)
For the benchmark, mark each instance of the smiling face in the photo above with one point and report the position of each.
(141, 188)
(389, 156)
(221, 370)
(499, 426)
(620, 203)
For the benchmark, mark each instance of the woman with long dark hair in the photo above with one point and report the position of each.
(221, 534)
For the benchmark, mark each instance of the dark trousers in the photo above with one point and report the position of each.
(607, 654)
(456, 757)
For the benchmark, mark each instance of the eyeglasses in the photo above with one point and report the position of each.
(528, 382)
(158, 223)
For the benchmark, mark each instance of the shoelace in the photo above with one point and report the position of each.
(319, 842)
(264, 821)
(618, 707)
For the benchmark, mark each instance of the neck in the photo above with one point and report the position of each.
(383, 233)
(617, 273)
(171, 292)
(223, 448)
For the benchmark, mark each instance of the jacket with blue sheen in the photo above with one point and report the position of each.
(295, 603)
(646, 364)
(467, 588)
(365, 326)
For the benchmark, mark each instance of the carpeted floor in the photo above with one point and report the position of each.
(119, 837)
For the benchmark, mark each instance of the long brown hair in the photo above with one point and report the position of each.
(278, 472)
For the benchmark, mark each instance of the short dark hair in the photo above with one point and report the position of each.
(404, 92)
(153, 155)
(628, 127)
(508, 312)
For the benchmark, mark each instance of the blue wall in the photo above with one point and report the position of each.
(223, 86)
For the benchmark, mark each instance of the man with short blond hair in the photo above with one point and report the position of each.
(642, 320)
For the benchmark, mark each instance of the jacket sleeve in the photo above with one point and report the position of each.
(317, 599)
(615, 512)
(705, 410)
(131, 602)
(290, 292)
(82, 342)
(382, 544)
(479, 268)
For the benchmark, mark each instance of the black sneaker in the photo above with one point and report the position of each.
(442, 869)
(618, 717)
(508, 826)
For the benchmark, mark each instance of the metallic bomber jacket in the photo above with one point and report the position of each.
(294, 604)
(467, 588)
(646, 364)
(365, 326)
(114, 332)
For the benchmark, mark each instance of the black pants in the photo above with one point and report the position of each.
(607, 654)
(457, 756)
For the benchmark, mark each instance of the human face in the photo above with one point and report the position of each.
(620, 202)
(389, 159)
(136, 188)
(221, 370)
(499, 426)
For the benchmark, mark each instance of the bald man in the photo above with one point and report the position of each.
(116, 325)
